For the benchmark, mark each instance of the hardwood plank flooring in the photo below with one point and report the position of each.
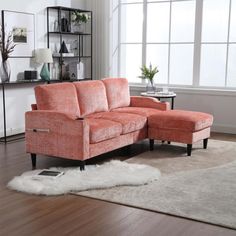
(23, 214)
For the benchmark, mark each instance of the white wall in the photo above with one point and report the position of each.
(78, 4)
(220, 104)
(19, 98)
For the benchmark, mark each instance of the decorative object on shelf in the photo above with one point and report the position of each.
(77, 46)
(6, 47)
(5, 71)
(30, 74)
(64, 73)
(44, 55)
(65, 26)
(55, 71)
(78, 20)
(63, 48)
(56, 26)
(22, 27)
(76, 70)
(149, 73)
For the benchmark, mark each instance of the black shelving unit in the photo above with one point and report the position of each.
(56, 14)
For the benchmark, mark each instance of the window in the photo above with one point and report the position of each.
(192, 42)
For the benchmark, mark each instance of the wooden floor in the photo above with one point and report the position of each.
(22, 214)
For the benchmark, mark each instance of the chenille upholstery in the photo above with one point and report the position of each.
(181, 120)
(129, 122)
(148, 102)
(146, 112)
(117, 92)
(100, 129)
(180, 126)
(57, 97)
(91, 97)
(81, 120)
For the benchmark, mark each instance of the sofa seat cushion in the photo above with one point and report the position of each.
(181, 120)
(91, 96)
(129, 122)
(138, 110)
(100, 129)
(59, 97)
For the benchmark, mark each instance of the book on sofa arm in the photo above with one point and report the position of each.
(48, 174)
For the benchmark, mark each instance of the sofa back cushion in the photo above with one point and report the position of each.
(117, 92)
(60, 97)
(91, 97)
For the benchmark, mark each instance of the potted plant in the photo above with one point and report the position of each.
(7, 46)
(77, 19)
(149, 73)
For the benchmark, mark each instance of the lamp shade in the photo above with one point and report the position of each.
(44, 55)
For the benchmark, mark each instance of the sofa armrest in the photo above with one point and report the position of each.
(56, 134)
(149, 102)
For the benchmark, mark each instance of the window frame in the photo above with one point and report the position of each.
(197, 44)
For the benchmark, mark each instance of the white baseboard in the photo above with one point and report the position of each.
(220, 128)
(13, 131)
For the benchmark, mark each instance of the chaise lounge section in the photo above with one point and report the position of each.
(180, 126)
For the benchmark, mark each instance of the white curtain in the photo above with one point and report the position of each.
(101, 36)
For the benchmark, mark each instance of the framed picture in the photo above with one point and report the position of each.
(21, 25)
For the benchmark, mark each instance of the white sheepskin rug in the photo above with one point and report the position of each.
(111, 174)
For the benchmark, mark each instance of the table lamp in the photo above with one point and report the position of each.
(44, 55)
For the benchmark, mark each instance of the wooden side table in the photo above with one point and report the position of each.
(160, 95)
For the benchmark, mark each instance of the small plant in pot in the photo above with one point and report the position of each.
(149, 73)
(77, 19)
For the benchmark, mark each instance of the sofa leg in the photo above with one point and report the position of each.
(151, 143)
(189, 149)
(205, 141)
(127, 150)
(33, 159)
(82, 165)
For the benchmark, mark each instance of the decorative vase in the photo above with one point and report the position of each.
(77, 27)
(150, 88)
(5, 71)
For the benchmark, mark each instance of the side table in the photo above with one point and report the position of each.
(160, 95)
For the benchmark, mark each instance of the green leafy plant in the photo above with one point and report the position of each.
(79, 17)
(148, 72)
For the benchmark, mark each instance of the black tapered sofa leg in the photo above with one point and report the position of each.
(82, 165)
(189, 149)
(151, 143)
(33, 159)
(205, 141)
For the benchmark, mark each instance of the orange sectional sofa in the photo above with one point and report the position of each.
(81, 120)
